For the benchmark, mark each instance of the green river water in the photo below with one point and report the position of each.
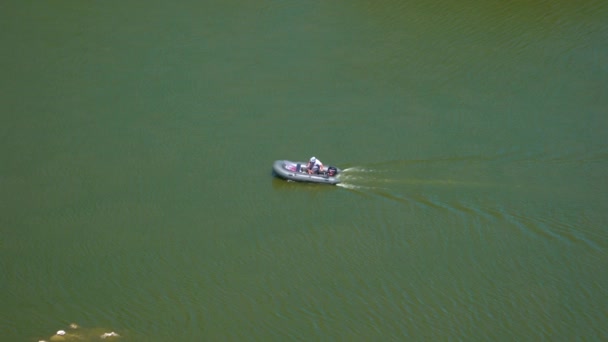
(136, 192)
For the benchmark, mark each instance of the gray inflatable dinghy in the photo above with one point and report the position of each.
(296, 171)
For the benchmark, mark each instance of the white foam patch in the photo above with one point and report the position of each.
(350, 178)
(348, 186)
(357, 169)
(358, 187)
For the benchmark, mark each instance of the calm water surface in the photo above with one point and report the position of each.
(137, 194)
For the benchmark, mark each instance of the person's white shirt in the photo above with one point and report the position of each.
(314, 164)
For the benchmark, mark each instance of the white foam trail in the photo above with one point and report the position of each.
(348, 186)
(351, 178)
(357, 169)
(358, 187)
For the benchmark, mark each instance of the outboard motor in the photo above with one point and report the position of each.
(332, 171)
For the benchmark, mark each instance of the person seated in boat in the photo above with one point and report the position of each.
(314, 166)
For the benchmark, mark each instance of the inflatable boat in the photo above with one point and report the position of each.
(297, 172)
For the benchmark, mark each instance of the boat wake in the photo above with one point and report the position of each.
(469, 191)
(359, 178)
(351, 186)
(374, 178)
(357, 169)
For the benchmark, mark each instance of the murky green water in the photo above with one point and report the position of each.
(135, 170)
